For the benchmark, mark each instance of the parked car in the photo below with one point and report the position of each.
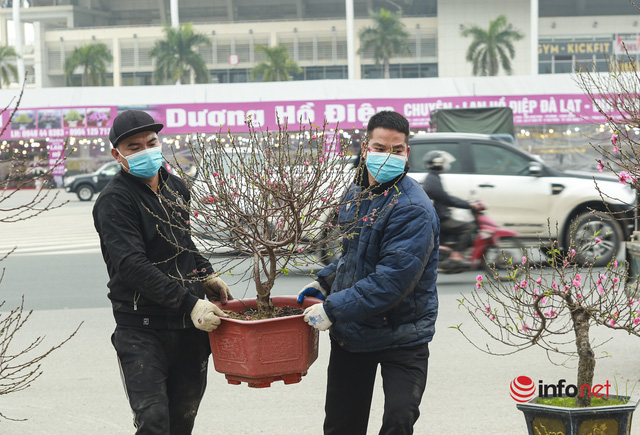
(524, 194)
(86, 185)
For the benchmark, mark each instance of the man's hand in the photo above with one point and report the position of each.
(216, 289)
(316, 316)
(206, 315)
(313, 289)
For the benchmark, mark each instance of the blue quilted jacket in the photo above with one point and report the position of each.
(382, 290)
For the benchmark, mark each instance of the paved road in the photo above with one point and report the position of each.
(79, 391)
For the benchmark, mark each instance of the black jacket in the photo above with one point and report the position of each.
(154, 267)
(441, 199)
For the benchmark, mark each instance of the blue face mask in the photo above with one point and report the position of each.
(146, 163)
(385, 167)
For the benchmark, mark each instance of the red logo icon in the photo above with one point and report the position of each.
(522, 389)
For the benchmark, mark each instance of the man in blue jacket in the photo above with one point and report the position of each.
(380, 298)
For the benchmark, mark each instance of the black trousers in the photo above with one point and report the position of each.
(164, 372)
(351, 377)
(464, 232)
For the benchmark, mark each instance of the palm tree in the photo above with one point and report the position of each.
(176, 55)
(492, 48)
(386, 38)
(7, 54)
(278, 65)
(93, 59)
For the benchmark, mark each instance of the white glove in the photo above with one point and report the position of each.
(216, 289)
(206, 315)
(313, 289)
(316, 316)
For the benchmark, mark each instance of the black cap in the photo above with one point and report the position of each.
(131, 122)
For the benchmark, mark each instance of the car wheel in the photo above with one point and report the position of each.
(85, 192)
(499, 259)
(596, 238)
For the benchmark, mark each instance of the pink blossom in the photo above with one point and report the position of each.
(612, 322)
(615, 149)
(625, 178)
(544, 300)
(600, 289)
(487, 309)
(551, 313)
(215, 174)
(523, 283)
(615, 263)
(525, 327)
(600, 165)
(279, 224)
(479, 278)
(598, 240)
(524, 260)
(554, 285)
(539, 280)
(614, 138)
(386, 192)
(636, 320)
(314, 137)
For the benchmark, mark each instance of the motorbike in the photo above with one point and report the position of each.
(493, 248)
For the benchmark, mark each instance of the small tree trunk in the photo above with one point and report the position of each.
(263, 290)
(387, 74)
(586, 357)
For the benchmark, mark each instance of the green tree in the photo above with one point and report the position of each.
(493, 47)
(93, 59)
(7, 55)
(176, 55)
(278, 66)
(386, 38)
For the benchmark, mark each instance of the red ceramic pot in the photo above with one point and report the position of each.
(262, 351)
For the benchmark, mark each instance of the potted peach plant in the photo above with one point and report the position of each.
(552, 305)
(269, 201)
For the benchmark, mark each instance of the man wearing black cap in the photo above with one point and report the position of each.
(157, 281)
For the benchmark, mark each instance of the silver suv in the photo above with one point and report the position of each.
(524, 194)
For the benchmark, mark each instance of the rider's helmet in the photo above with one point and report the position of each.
(438, 160)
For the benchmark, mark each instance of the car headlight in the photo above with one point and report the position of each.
(69, 181)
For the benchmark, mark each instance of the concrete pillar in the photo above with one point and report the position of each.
(17, 27)
(117, 75)
(40, 66)
(351, 54)
(175, 16)
(534, 37)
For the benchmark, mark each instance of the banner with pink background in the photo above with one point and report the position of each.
(347, 114)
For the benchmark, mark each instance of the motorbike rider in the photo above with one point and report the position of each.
(438, 162)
